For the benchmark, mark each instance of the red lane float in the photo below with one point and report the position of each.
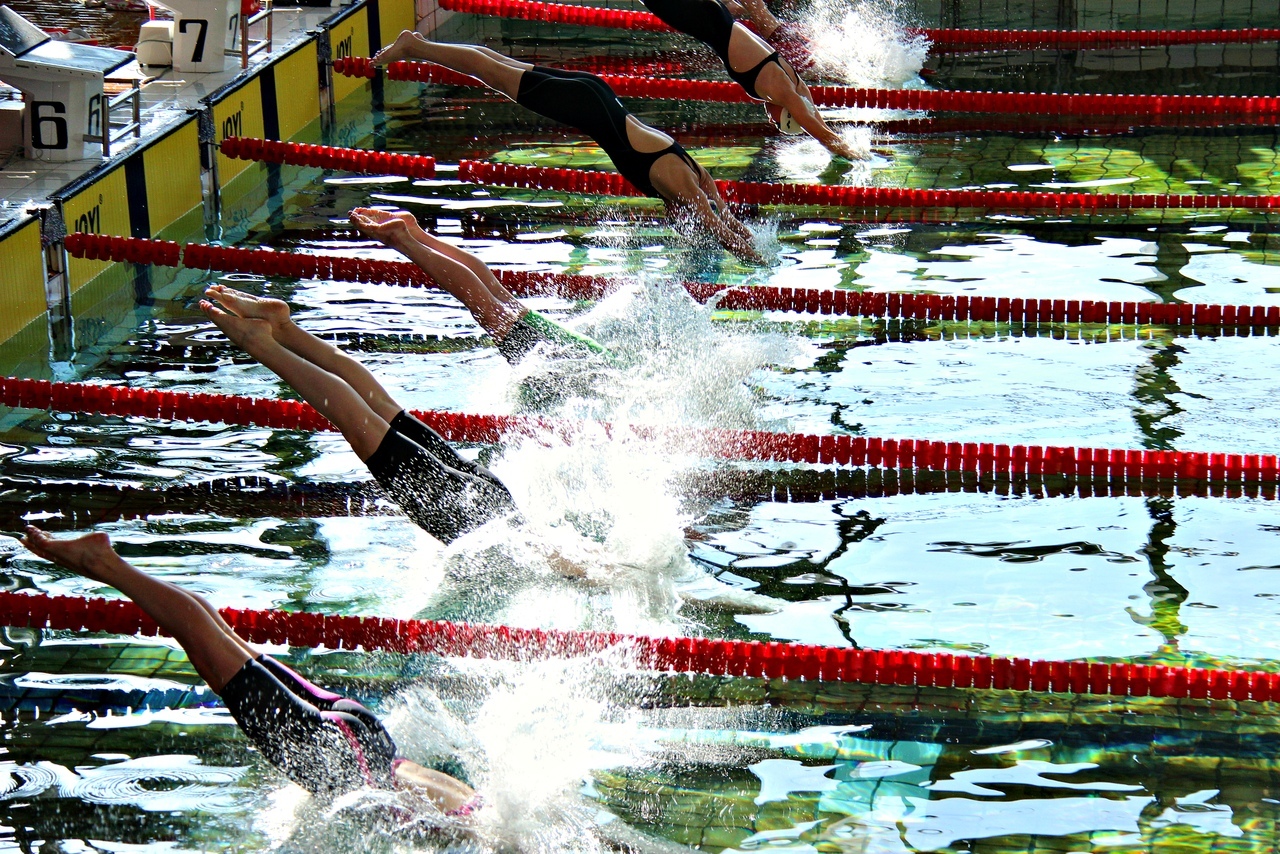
(268, 262)
(421, 72)
(561, 13)
(826, 195)
(832, 195)
(754, 445)
(751, 659)
(944, 39)
(1023, 103)
(941, 38)
(955, 123)
(966, 40)
(935, 307)
(330, 157)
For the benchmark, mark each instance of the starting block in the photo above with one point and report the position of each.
(203, 32)
(67, 116)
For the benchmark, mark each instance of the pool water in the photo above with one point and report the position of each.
(111, 747)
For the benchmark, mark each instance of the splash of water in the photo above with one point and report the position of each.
(864, 44)
(804, 159)
(671, 364)
(527, 735)
(532, 738)
(599, 505)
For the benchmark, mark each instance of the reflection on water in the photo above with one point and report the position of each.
(158, 783)
(839, 791)
(1083, 578)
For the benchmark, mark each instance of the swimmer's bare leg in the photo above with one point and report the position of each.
(495, 70)
(492, 306)
(216, 652)
(335, 398)
(309, 347)
(457, 253)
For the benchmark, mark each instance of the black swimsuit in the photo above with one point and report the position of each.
(710, 22)
(583, 101)
(444, 493)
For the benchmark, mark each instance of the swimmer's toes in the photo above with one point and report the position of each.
(397, 50)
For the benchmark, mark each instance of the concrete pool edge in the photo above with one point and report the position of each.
(173, 181)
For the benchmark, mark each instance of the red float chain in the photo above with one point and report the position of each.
(826, 195)
(965, 40)
(330, 157)
(651, 66)
(955, 123)
(841, 450)
(752, 659)
(835, 195)
(268, 262)
(943, 39)
(561, 13)
(421, 72)
(1024, 103)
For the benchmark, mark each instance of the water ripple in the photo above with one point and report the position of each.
(160, 783)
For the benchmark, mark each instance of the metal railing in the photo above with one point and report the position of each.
(248, 48)
(113, 132)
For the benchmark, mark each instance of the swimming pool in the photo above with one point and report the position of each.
(1005, 569)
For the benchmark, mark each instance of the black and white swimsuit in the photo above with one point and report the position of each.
(320, 740)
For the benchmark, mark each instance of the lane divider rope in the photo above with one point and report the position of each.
(829, 449)
(974, 309)
(942, 38)
(831, 195)
(754, 659)
(750, 192)
(1063, 125)
(330, 157)
(985, 39)
(63, 513)
(1025, 103)
(98, 502)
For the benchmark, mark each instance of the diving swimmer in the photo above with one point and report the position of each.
(753, 63)
(444, 493)
(513, 326)
(651, 160)
(320, 740)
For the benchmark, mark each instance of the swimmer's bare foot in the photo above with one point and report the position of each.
(390, 228)
(402, 48)
(89, 555)
(419, 233)
(273, 311)
(250, 334)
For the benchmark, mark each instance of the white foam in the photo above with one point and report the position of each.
(603, 503)
(864, 43)
(805, 159)
(529, 734)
